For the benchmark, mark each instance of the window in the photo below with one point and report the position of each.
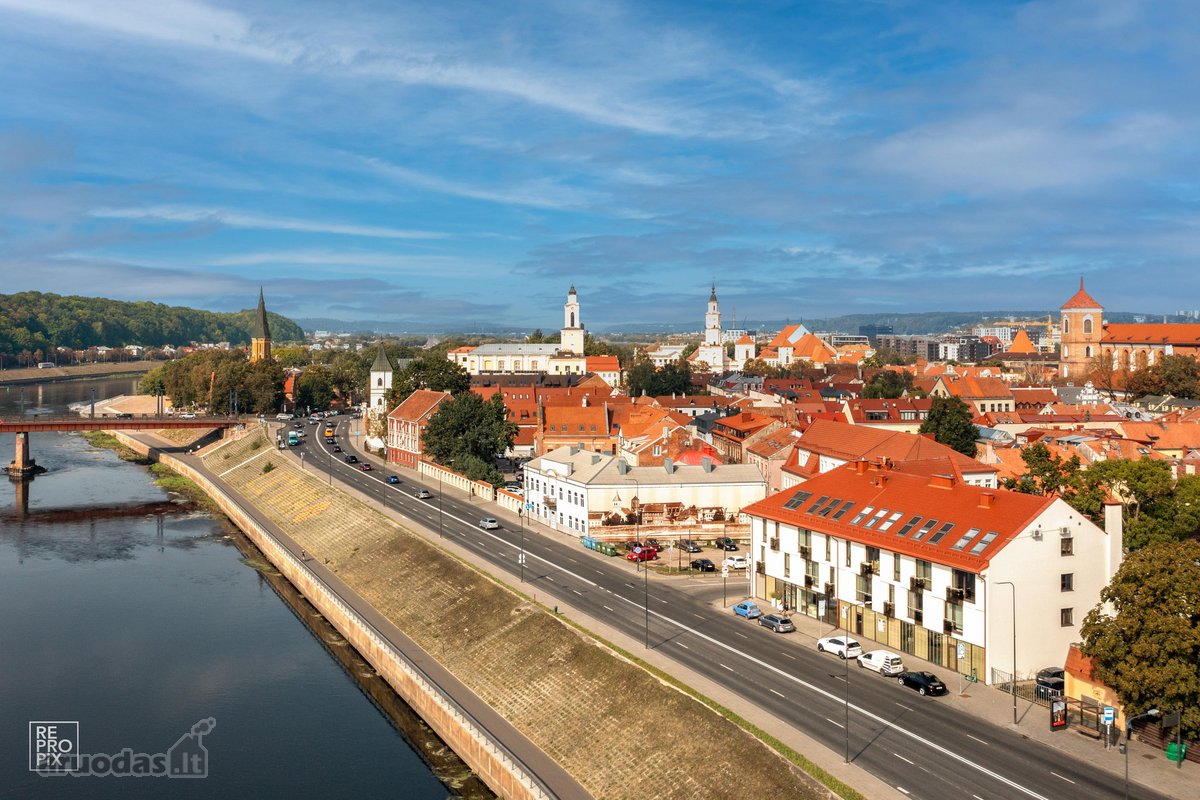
(925, 529)
(942, 531)
(841, 512)
(787, 565)
(847, 548)
(965, 582)
(954, 615)
(1066, 546)
(862, 589)
(896, 567)
(873, 520)
(859, 516)
(1087, 325)
(1066, 617)
(827, 549)
(890, 521)
(1066, 582)
(908, 526)
(1066, 329)
(965, 540)
(924, 570)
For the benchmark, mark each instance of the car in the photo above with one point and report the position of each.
(655, 544)
(885, 662)
(842, 646)
(284, 417)
(365, 467)
(337, 448)
(629, 546)
(748, 609)
(777, 623)
(392, 479)
(512, 486)
(1050, 682)
(923, 682)
(642, 554)
(424, 494)
(188, 415)
(282, 446)
(725, 543)
(735, 562)
(688, 546)
(703, 565)
(351, 459)
(488, 524)
(124, 415)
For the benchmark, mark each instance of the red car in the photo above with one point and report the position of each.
(365, 467)
(642, 554)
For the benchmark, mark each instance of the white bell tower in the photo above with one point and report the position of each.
(712, 352)
(572, 332)
(381, 381)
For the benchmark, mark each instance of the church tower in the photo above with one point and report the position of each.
(572, 332)
(381, 380)
(260, 333)
(712, 352)
(1082, 328)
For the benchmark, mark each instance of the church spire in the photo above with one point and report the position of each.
(260, 332)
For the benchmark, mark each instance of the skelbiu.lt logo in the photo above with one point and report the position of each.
(54, 750)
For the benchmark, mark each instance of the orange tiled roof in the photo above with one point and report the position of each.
(1021, 343)
(971, 387)
(813, 348)
(1081, 299)
(418, 404)
(745, 421)
(576, 421)
(1183, 334)
(602, 364)
(941, 498)
(1164, 435)
(850, 442)
(784, 337)
(745, 339)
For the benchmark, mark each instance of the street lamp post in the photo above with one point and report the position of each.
(521, 520)
(440, 504)
(1124, 745)
(1012, 685)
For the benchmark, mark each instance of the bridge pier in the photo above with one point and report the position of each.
(23, 465)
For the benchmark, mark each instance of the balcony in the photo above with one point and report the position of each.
(830, 590)
(775, 544)
(867, 568)
(806, 552)
(889, 609)
(809, 580)
(916, 584)
(948, 626)
(956, 595)
(918, 616)
(760, 568)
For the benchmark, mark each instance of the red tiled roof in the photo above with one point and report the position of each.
(850, 442)
(602, 364)
(1022, 344)
(418, 404)
(1183, 334)
(940, 498)
(1081, 299)
(745, 421)
(972, 387)
(784, 337)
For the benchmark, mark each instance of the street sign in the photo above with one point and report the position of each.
(637, 549)
(529, 506)
(962, 651)
(1170, 720)
(725, 572)
(1110, 714)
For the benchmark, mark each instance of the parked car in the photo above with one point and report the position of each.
(777, 623)
(643, 554)
(284, 417)
(747, 609)
(424, 494)
(351, 459)
(725, 543)
(885, 662)
(735, 562)
(688, 546)
(923, 682)
(841, 646)
(703, 565)
(282, 446)
(1050, 682)
(630, 546)
(392, 479)
(512, 486)
(655, 544)
(488, 524)
(365, 467)
(124, 415)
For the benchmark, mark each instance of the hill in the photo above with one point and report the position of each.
(31, 321)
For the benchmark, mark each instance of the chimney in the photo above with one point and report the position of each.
(860, 466)
(881, 480)
(585, 403)
(595, 458)
(622, 466)
(1114, 527)
(942, 481)
(669, 466)
(986, 499)
(706, 464)
(573, 449)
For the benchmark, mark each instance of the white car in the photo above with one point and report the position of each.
(488, 524)
(284, 417)
(735, 562)
(187, 415)
(885, 662)
(841, 646)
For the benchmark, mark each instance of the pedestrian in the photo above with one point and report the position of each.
(303, 555)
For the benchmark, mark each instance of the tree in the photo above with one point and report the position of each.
(639, 374)
(314, 387)
(756, 366)
(1156, 508)
(950, 423)
(888, 383)
(467, 431)
(537, 337)
(1148, 649)
(1175, 375)
(428, 372)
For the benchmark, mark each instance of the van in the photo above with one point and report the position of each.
(885, 662)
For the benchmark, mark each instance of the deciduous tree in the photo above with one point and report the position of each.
(467, 430)
(950, 423)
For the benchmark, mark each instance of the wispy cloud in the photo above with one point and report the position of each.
(241, 219)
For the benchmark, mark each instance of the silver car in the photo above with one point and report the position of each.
(777, 623)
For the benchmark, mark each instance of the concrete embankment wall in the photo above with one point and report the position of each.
(487, 758)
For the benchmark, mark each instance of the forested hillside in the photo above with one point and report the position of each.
(32, 321)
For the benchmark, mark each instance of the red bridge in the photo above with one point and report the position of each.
(23, 465)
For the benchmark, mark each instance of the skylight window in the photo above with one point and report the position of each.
(859, 516)
(875, 519)
(982, 544)
(908, 526)
(816, 505)
(834, 503)
(925, 529)
(942, 531)
(966, 539)
(890, 521)
(841, 512)
(797, 500)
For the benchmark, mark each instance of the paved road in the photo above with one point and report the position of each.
(918, 745)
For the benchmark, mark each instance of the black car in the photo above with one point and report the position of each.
(923, 682)
(725, 543)
(351, 459)
(1050, 682)
(337, 448)
(631, 546)
(688, 546)
(703, 565)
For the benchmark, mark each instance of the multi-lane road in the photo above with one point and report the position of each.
(919, 745)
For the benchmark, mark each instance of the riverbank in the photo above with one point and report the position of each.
(16, 377)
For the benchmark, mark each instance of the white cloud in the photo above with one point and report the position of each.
(240, 219)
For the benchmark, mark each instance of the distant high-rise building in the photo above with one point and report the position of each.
(873, 331)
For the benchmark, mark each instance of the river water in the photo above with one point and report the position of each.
(139, 627)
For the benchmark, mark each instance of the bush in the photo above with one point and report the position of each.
(268, 467)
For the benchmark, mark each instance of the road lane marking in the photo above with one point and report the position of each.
(901, 788)
(840, 725)
(1055, 774)
(772, 691)
(976, 738)
(606, 608)
(902, 758)
(684, 646)
(731, 669)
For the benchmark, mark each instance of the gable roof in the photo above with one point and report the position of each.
(381, 363)
(936, 518)
(418, 404)
(1186, 334)
(786, 336)
(971, 387)
(1021, 343)
(853, 442)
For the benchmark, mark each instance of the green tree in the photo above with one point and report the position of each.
(314, 387)
(639, 374)
(1176, 375)
(466, 430)
(888, 383)
(1156, 508)
(1148, 649)
(950, 423)
(428, 372)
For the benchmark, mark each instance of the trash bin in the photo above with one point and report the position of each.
(1176, 752)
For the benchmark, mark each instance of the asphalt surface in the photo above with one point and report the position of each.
(913, 743)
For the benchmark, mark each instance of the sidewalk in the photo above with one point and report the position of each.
(1147, 765)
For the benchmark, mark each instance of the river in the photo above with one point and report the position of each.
(137, 628)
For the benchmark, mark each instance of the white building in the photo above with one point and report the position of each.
(933, 567)
(665, 354)
(564, 358)
(573, 489)
(712, 351)
(380, 381)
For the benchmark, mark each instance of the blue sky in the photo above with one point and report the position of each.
(464, 163)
